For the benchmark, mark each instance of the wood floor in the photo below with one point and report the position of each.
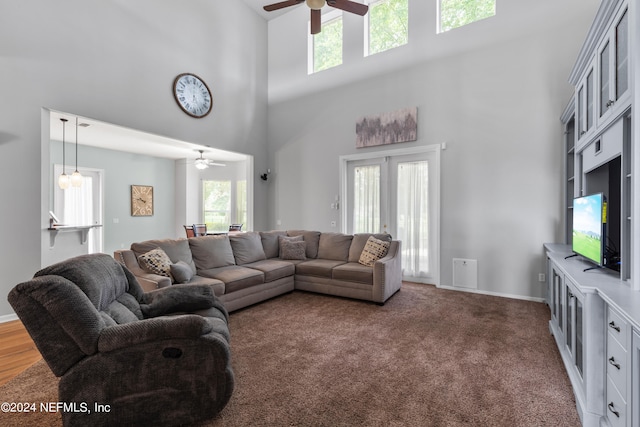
(17, 350)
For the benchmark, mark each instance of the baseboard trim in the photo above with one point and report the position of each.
(494, 294)
(8, 318)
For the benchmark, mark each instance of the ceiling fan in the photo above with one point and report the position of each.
(316, 5)
(202, 163)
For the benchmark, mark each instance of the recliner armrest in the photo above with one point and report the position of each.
(159, 328)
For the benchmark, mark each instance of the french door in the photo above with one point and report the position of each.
(397, 192)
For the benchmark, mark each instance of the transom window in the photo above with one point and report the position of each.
(388, 25)
(457, 13)
(326, 47)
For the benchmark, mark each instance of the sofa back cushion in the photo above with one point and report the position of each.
(176, 249)
(334, 246)
(360, 240)
(270, 242)
(311, 238)
(211, 251)
(247, 247)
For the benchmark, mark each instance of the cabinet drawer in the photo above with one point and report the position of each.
(616, 406)
(617, 327)
(617, 368)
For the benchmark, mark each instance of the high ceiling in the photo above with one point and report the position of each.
(258, 5)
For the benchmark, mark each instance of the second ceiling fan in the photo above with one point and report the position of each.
(316, 5)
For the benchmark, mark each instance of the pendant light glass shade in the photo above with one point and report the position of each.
(315, 4)
(76, 177)
(63, 179)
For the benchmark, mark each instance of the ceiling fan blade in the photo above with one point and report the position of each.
(281, 5)
(316, 21)
(349, 6)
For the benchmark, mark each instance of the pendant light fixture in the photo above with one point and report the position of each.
(63, 179)
(76, 177)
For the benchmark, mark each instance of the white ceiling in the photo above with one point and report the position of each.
(113, 137)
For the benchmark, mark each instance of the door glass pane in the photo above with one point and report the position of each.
(622, 56)
(366, 199)
(604, 79)
(413, 217)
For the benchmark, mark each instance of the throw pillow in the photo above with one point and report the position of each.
(282, 239)
(181, 272)
(156, 261)
(373, 250)
(293, 249)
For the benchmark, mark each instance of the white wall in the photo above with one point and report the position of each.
(115, 61)
(494, 91)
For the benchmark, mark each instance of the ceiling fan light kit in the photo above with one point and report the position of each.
(316, 5)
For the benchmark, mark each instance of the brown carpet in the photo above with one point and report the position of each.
(428, 357)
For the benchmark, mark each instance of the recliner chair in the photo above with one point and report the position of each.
(137, 354)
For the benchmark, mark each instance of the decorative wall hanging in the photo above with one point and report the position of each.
(141, 200)
(387, 128)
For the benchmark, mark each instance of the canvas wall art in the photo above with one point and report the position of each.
(387, 128)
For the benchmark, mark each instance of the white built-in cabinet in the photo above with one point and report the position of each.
(595, 314)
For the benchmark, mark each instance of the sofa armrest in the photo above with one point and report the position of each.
(387, 273)
(148, 281)
(148, 330)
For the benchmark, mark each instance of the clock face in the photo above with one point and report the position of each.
(192, 95)
(141, 200)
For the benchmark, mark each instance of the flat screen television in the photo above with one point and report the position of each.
(589, 228)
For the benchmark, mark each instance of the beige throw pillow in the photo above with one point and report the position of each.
(373, 250)
(156, 261)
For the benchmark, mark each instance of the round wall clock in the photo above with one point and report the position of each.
(141, 200)
(192, 95)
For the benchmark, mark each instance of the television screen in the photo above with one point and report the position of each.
(589, 218)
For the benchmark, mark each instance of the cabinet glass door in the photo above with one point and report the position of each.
(568, 297)
(622, 55)
(605, 100)
(579, 347)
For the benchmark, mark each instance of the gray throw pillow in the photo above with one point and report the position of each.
(293, 250)
(282, 239)
(181, 272)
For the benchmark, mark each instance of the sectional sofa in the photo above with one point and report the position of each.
(246, 268)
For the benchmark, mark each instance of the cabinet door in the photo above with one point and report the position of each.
(613, 68)
(585, 104)
(635, 379)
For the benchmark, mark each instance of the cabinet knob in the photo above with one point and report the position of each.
(612, 408)
(613, 363)
(613, 326)
(610, 103)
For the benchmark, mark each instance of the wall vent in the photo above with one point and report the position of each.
(465, 273)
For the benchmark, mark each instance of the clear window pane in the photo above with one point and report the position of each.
(327, 45)
(217, 205)
(456, 13)
(241, 202)
(388, 25)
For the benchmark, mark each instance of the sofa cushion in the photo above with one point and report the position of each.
(334, 246)
(358, 242)
(312, 238)
(353, 272)
(181, 272)
(270, 242)
(247, 247)
(373, 251)
(293, 250)
(317, 267)
(176, 249)
(273, 269)
(156, 261)
(211, 252)
(235, 277)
